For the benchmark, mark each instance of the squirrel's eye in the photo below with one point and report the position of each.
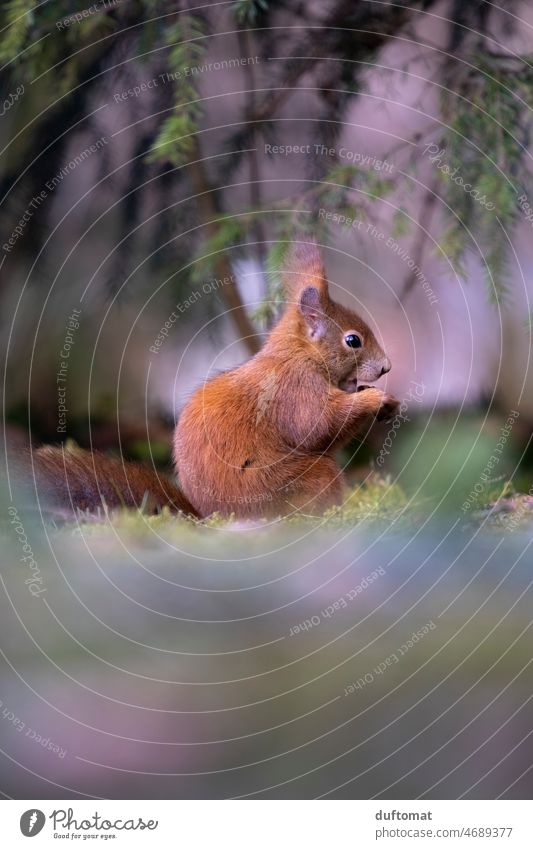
(353, 340)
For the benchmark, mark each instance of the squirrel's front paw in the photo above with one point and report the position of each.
(388, 408)
(380, 405)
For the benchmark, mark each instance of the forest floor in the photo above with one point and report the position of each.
(376, 504)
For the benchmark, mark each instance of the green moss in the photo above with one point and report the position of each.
(377, 501)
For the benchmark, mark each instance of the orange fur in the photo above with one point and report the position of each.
(258, 440)
(81, 480)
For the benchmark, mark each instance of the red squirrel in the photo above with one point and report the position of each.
(258, 440)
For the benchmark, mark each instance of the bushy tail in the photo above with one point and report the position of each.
(72, 479)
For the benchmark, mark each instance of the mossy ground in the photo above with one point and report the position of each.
(376, 504)
(376, 501)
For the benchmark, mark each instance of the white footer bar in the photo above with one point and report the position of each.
(256, 824)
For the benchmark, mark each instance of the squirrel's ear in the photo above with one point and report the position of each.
(311, 307)
(304, 267)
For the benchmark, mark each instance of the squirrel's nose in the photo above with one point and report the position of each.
(386, 367)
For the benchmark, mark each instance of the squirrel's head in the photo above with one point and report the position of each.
(341, 341)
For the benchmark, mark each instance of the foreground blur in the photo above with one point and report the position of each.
(171, 661)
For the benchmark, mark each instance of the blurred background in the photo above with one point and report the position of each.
(157, 161)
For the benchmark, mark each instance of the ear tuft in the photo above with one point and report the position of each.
(311, 308)
(303, 267)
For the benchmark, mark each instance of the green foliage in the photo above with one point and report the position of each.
(267, 312)
(272, 306)
(230, 230)
(275, 261)
(17, 20)
(155, 451)
(346, 190)
(247, 11)
(453, 248)
(175, 142)
(376, 503)
(31, 44)
(400, 223)
(485, 109)
(486, 119)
